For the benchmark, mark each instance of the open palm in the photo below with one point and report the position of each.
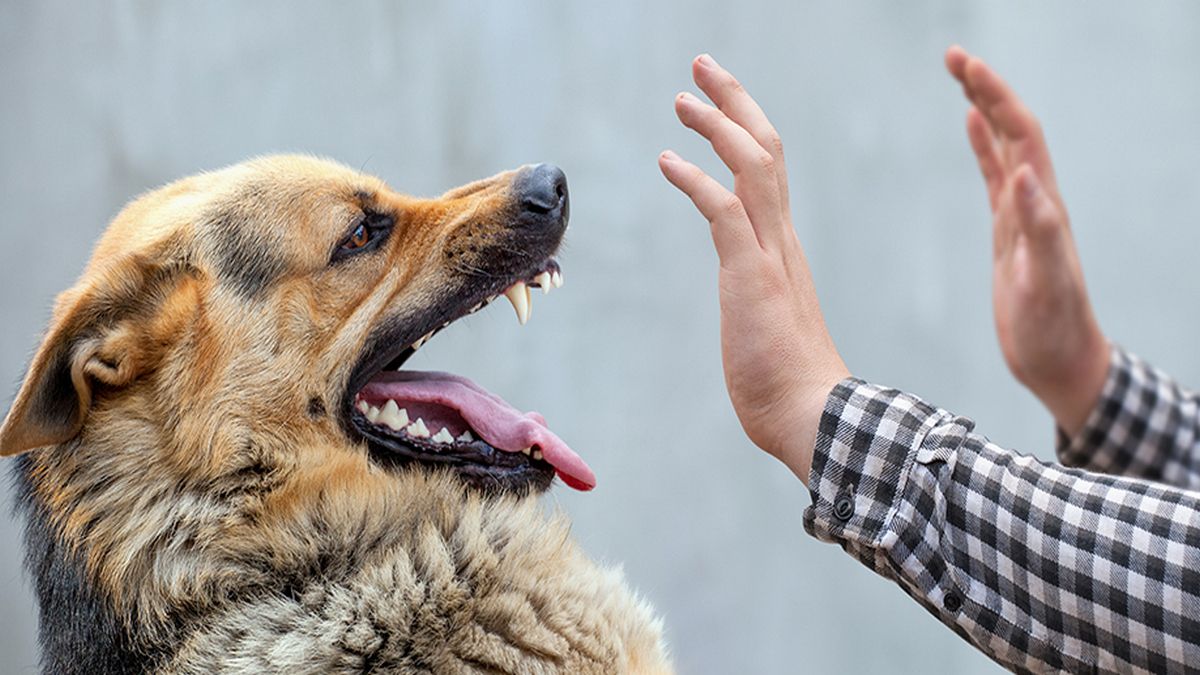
(1044, 320)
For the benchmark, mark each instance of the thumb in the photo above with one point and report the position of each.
(1037, 214)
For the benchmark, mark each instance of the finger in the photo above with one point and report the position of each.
(983, 144)
(752, 166)
(1011, 120)
(1004, 222)
(999, 102)
(732, 99)
(956, 62)
(732, 233)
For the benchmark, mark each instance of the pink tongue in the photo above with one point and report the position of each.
(501, 425)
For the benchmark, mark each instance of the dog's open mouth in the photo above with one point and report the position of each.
(443, 419)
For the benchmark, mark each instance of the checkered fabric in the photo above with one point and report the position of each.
(1042, 567)
(1144, 426)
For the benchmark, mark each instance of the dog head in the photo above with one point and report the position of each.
(266, 307)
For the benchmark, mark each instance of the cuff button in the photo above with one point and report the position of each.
(843, 508)
(952, 602)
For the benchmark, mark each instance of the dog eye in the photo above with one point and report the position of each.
(368, 234)
(360, 238)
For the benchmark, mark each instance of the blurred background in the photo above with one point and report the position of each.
(100, 101)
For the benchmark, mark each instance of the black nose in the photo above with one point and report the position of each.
(542, 190)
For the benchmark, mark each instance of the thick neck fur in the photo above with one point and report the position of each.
(365, 568)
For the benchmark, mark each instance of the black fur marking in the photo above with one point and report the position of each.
(243, 258)
(56, 401)
(316, 408)
(78, 632)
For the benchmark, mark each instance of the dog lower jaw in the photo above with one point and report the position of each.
(517, 477)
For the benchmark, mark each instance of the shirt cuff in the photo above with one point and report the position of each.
(1128, 410)
(868, 438)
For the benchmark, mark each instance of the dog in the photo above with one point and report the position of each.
(222, 469)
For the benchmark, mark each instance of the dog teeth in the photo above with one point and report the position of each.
(526, 451)
(363, 406)
(423, 340)
(537, 454)
(394, 416)
(372, 414)
(543, 280)
(557, 279)
(417, 429)
(522, 300)
(465, 437)
(443, 436)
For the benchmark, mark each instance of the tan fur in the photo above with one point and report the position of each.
(185, 445)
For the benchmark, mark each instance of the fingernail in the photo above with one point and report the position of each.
(688, 97)
(706, 61)
(669, 155)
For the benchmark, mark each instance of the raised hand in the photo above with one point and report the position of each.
(780, 362)
(1048, 333)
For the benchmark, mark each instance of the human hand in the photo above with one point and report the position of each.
(1048, 333)
(780, 362)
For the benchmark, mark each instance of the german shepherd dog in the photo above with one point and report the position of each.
(224, 470)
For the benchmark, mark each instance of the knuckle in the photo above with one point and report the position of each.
(774, 143)
(765, 161)
(732, 207)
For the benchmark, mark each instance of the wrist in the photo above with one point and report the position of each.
(1072, 398)
(807, 408)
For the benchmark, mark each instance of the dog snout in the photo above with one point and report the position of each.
(542, 192)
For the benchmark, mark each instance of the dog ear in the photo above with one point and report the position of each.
(91, 343)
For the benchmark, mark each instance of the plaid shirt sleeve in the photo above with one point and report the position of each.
(1043, 568)
(1144, 426)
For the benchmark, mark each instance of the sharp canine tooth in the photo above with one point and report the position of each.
(372, 414)
(537, 454)
(417, 429)
(363, 406)
(443, 436)
(557, 279)
(526, 451)
(423, 340)
(518, 295)
(544, 281)
(466, 437)
(393, 416)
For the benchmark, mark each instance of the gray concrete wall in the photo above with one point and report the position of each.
(99, 101)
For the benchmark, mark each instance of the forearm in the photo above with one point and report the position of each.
(1038, 566)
